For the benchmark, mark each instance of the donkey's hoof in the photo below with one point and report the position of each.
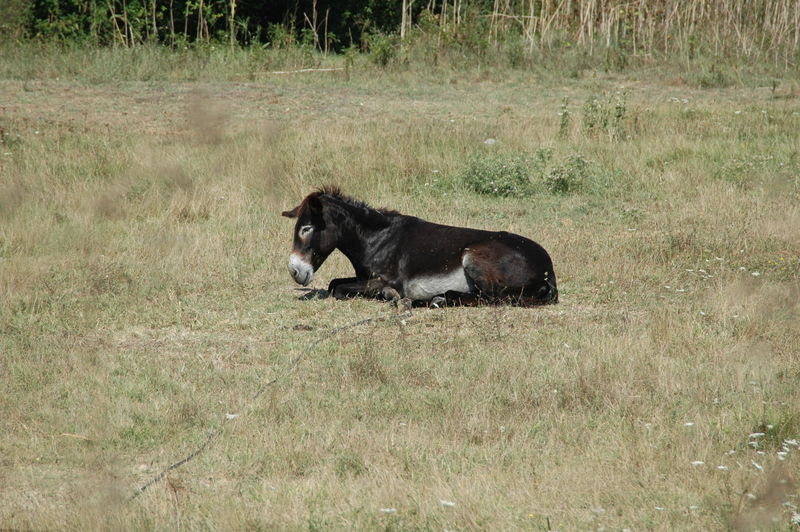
(438, 301)
(390, 294)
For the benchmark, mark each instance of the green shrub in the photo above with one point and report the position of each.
(606, 116)
(518, 175)
(711, 77)
(569, 176)
(504, 175)
(382, 48)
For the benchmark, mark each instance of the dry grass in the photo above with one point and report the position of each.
(143, 296)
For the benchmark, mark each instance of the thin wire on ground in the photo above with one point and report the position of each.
(213, 434)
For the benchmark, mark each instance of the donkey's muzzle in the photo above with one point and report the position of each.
(301, 271)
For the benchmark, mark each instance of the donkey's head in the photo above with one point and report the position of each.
(314, 237)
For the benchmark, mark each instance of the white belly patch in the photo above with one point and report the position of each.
(424, 287)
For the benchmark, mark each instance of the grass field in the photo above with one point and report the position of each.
(144, 301)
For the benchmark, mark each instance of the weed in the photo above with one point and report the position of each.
(606, 116)
(383, 48)
(522, 175)
(569, 176)
(711, 77)
(497, 175)
(563, 125)
(349, 463)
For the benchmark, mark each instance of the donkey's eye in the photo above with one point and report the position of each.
(305, 230)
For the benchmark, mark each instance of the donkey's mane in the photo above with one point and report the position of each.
(336, 192)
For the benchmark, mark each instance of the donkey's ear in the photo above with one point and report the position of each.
(292, 213)
(314, 206)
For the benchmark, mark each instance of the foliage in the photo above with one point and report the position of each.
(610, 35)
(382, 48)
(569, 176)
(497, 175)
(519, 175)
(605, 115)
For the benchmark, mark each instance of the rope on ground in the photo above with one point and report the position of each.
(214, 434)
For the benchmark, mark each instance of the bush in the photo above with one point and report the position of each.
(604, 115)
(569, 176)
(503, 175)
(519, 175)
(383, 48)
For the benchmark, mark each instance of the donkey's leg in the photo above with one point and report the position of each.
(335, 283)
(355, 287)
(498, 273)
(504, 275)
(463, 299)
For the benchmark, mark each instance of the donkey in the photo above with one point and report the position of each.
(399, 257)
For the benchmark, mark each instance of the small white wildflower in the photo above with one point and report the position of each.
(449, 504)
(599, 510)
(756, 434)
(694, 508)
(750, 496)
(795, 519)
(660, 508)
(702, 313)
(388, 510)
(648, 426)
(489, 142)
(757, 466)
(753, 444)
(742, 269)
(755, 274)
(689, 424)
(782, 455)
(732, 451)
(667, 286)
(760, 452)
(698, 463)
(791, 442)
(722, 467)
(231, 416)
